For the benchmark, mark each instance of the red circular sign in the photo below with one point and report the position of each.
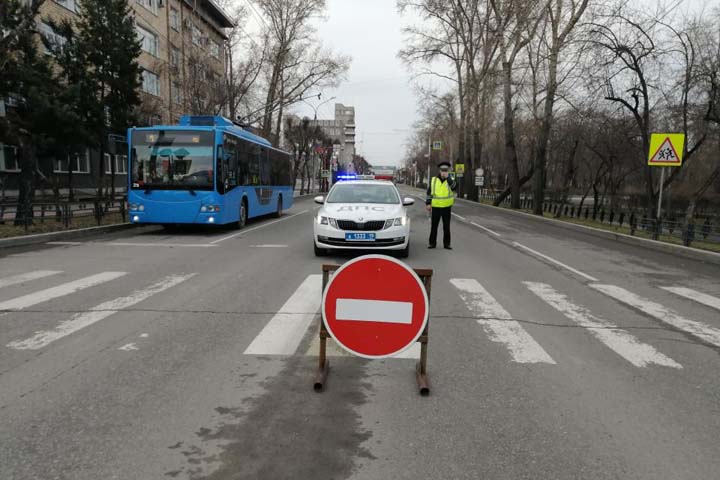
(375, 306)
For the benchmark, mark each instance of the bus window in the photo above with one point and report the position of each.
(279, 168)
(253, 164)
(230, 164)
(264, 167)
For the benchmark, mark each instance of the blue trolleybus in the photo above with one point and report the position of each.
(206, 170)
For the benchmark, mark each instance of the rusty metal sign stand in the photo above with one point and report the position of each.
(421, 375)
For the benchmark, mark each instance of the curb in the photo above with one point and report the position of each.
(26, 240)
(664, 247)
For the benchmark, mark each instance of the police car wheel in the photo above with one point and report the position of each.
(319, 252)
(404, 253)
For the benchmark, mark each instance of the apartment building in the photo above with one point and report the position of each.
(341, 129)
(184, 54)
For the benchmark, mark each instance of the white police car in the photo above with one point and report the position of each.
(362, 215)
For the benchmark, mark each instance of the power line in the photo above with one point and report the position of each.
(249, 2)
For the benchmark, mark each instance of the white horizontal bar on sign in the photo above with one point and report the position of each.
(373, 311)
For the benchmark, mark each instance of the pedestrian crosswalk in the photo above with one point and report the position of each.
(293, 328)
(299, 316)
(80, 320)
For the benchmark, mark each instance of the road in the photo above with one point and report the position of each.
(553, 354)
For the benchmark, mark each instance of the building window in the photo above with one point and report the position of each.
(148, 40)
(55, 40)
(151, 83)
(71, 5)
(8, 159)
(174, 19)
(151, 5)
(79, 162)
(196, 36)
(215, 49)
(120, 163)
(175, 57)
(177, 94)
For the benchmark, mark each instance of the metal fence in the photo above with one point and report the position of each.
(706, 227)
(62, 211)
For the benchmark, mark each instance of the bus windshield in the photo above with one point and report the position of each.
(172, 160)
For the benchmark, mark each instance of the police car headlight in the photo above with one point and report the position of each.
(400, 222)
(389, 223)
(333, 222)
(322, 220)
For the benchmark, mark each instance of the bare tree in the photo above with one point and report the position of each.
(563, 16)
(515, 24)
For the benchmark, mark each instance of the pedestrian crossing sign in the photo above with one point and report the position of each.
(666, 149)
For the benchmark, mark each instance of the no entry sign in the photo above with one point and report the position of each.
(375, 306)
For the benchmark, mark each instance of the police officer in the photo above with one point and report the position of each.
(440, 199)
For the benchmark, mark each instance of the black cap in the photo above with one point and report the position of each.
(444, 164)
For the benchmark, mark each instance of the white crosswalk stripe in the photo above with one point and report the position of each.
(284, 332)
(498, 323)
(699, 329)
(81, 320)
(623, 343)
(696, 296)
(41, 296)
(26, 277)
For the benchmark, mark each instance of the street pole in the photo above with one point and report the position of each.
(659, 207)
(429, 156)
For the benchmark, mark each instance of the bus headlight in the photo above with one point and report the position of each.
(133, 206)
(210, 208)
(136, 219)
(141, 208)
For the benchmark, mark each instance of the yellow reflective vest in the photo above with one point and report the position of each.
(441, 194)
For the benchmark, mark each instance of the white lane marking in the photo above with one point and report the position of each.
(458, 216)
(81, 320)
(170, 245)
(556, 262)
(373, 311)
(270, 245)
(664, 314)
(61, 290)
(244, 231)
(283, 333)
(499, 325)
(485, 228)
(143, 335)
(699, 297)
(65, 243)
(623, 343)
(128, 347)
(26, 277)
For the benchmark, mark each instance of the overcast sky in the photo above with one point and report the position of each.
(378, 83)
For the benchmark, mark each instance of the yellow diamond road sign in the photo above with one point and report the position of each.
(666, 149)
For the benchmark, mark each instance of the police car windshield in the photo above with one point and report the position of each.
(360, 193)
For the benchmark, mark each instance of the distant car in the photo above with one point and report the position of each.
(362, 215)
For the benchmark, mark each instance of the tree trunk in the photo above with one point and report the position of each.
(508, 190)
(510, 150)
(26, 194)
(544, 136)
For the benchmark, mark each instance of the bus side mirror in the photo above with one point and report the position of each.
(320, 199)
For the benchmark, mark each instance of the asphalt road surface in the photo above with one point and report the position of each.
(190, 353)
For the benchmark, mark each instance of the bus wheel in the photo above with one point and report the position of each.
(278, 212)
(243, 214)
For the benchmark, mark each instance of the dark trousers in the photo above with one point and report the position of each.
(437, 214)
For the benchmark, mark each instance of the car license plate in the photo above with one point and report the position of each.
(360, 237)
